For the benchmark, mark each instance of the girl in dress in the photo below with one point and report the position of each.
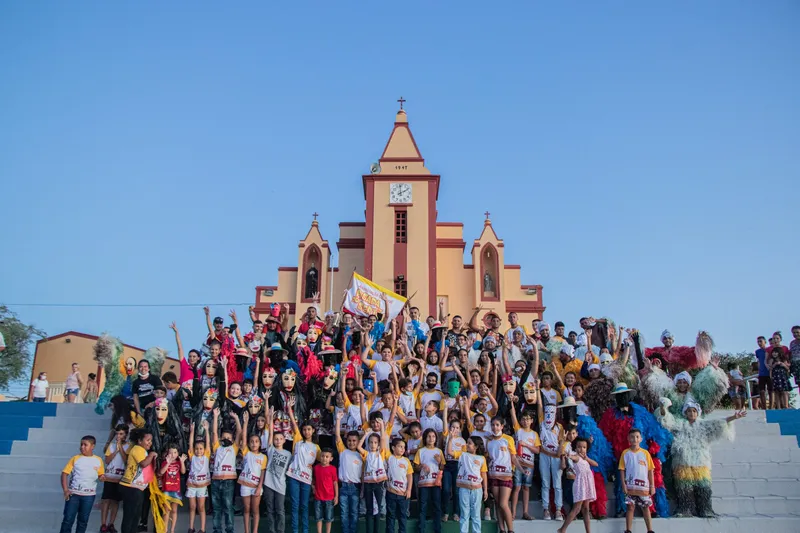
(502, 461)
(583, 491)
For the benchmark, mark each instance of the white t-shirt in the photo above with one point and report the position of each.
(116, 467)
(433, 458)
(350, 465)
(431, 422)
(199, 468)
(40, 388)
(398, 469)
(84, 472)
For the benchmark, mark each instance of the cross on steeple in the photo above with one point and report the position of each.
(487, 215)
(315, 215)
(402, 101)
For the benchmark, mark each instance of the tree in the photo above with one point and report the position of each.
(19, 337)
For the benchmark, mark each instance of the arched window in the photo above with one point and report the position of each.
(311, 273)
(490, 274)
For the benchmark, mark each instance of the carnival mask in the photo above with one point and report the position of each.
(509, 386)
(254, 405)
(549, 416)
(529, 392)
(330, 379)
(211, 369)
(162, 410)
(268, 377)
(288, 379)
(312, 336)
(210, 399)
(130, 365)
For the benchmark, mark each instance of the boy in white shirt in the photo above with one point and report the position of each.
(636, 469)
(79, 482)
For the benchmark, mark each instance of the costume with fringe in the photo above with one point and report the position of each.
(615, 425)
(691, 460)
(707, 389)
(685, 357)
(108, 354)
(599, 450)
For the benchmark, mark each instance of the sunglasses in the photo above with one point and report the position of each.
(218, 322)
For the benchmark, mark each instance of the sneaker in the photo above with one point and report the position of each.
(456, 518)
(191, 530)
(547, 516)
(562, 515)
(112, 529)
(104, 529)
(445, 518)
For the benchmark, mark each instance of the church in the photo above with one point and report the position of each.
(404, 247)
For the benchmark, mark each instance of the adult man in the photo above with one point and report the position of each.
(513, 323)
(416, 330)
(765, 390)
(311, 318)
(599, 327)
(494, 324)
(560, 332)
(143, 388)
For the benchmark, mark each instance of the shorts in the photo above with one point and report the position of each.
(173, 494)
(324, 511)
(74, 392)
(197, 492)
(111, 492)
(736, 392)
(521, 480)
(639, 501)
(247, 491)
(764, 383)
(39, 400)
(502, 483)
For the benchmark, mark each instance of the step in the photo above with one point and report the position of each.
(777, 524)
(755, 470)
(28, 482)
(735, 454)
(783, 415)
(70, 435)
(21, 421)
(749, 506)
(78, 409)
(46, 449)
(95, 423)
(28, 409)
(756, 487)
(34, 463)
(775, 442)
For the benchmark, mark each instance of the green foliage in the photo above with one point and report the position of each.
(15, 360)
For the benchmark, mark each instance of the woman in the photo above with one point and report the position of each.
(90, 394)
(73, 384)
(137, 476)
(39, 388)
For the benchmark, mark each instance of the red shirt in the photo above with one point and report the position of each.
(325, 478)
(171, 482)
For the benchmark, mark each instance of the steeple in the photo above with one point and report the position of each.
(401, 154)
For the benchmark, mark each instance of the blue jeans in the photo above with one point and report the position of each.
(470, 503)
(80, 507)
(550, 467)
(349, 496)
(39, 400)
(222, 501)
(299, 494)
(434, 496)
(323, 511)
(396, 508)
(449, 489)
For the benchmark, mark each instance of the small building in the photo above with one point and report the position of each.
(56, 354)
(403, 246)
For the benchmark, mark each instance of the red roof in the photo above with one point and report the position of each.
(85, 336)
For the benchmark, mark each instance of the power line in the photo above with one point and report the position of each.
(125, 305)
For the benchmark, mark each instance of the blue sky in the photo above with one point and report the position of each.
(640, 161)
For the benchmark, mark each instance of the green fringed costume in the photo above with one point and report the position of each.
(108, 354)
(707, 389)
(691, 459)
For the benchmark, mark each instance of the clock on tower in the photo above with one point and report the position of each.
(400, 193)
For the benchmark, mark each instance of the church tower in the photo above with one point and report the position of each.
(400, 231)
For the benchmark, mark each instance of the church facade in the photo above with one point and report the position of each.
(404, 247)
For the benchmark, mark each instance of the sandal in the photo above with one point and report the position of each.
(526, 516)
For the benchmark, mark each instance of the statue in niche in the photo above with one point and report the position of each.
(312, 282)
(488, 283)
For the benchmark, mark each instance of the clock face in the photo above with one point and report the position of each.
(400, 193)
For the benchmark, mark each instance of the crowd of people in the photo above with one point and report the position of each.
(473, 419)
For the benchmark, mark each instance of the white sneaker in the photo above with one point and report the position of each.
(547, 516)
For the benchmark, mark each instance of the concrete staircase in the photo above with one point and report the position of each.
(756, 478)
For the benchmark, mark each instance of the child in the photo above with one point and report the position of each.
(350, 468)
(567, 466)
(398, 486)
(374, 472)
(736, 389)
(583, 490)
(278, 461)
(90, 394)
(550, 433)
(636, 469)
(170, 381)
(430, 418)
(472, 484)
(413, 437)
(251, 480)
(223, 478)
(528, 445)
(502, 460)
(453, 448)
(199, 477)
(172, 467)
(326, 490)
(116, 457)
(429, 460)
(79, 482)
(549, 394)
(304, 454)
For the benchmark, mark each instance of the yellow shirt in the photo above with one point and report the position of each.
(531, 439)
(350, 464)
(136, 476)
(84, 472)
(636, 465)
(470, 470)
